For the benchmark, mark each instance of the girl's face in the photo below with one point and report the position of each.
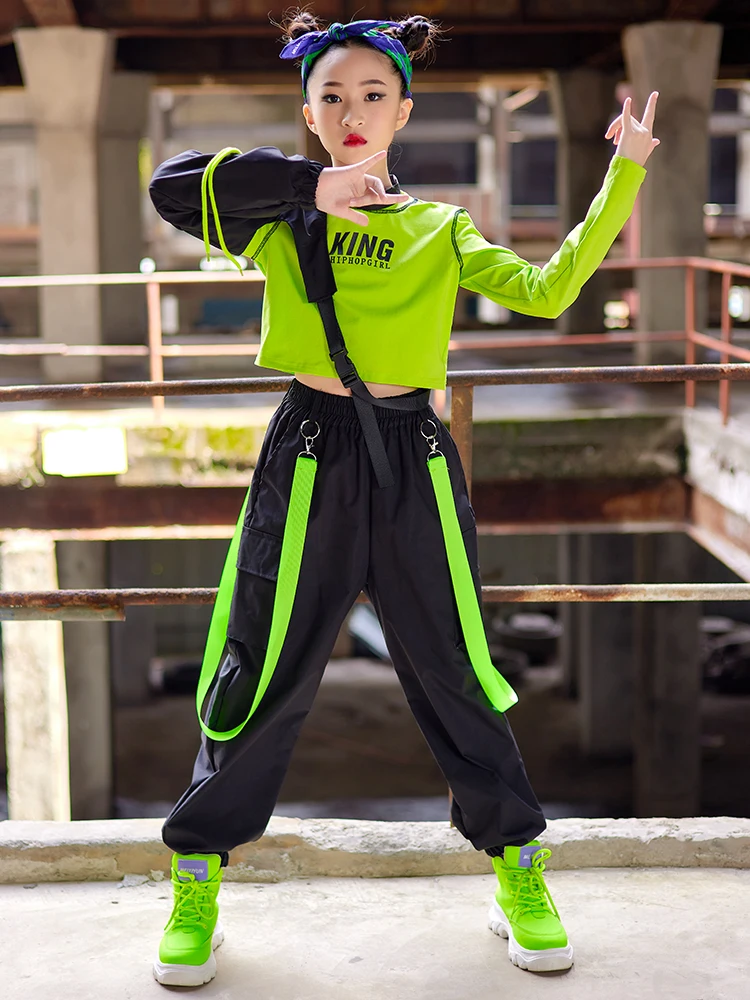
(355, 90)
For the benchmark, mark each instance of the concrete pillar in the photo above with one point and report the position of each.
(743, 161)
(66, 71)
(493, 177)
(121, 241)
(36, 719)
(134, 640)
(666, 710)
(680, 59)
(583, 101)
(82, 565)
(605, 681)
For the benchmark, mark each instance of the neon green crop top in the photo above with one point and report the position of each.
(397, 281)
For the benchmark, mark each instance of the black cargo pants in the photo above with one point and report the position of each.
(389, 544)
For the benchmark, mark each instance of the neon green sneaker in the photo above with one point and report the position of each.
(523, 911)
(186, 954)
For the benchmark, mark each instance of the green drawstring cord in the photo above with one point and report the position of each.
(500, 693)
(293, 543)
(207, 188)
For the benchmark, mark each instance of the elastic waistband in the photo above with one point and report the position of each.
(333, 406)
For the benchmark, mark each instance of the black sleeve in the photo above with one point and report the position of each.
(251, 189)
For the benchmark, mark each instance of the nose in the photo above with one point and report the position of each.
(352, 119)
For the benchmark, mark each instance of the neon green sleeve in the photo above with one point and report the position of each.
(501, 275)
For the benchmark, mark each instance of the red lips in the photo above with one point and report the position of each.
(354, 140)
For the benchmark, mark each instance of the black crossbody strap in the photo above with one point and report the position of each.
(348, 373)
(312, 249)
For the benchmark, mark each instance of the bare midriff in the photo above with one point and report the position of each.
(333, 385)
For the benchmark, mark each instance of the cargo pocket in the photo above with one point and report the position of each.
(248, 629)
(467, 519)
(255, 588)
(266, 473)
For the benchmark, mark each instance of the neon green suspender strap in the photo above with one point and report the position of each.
(500, 693)
(498, 690)
(292, 546)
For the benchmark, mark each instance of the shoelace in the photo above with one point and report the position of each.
(532, 895)
(193, 906)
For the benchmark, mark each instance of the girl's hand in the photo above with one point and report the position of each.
(341, 187)
(633, 138)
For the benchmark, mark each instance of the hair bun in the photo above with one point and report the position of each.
(418, 21)
(417, 34)
(299, 24)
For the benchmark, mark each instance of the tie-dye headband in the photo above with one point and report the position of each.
(312, 43)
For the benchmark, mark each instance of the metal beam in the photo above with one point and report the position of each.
(54, 605)
(573, 504)
(147, 532)
(70, 512)
(85, 505)
(505, 376)
(722, 532)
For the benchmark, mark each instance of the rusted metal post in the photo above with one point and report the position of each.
(689, 330)
(462, 426)
(155, 357)
(726, 336)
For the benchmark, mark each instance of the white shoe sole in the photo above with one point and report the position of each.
(190, 975)
(544, 960)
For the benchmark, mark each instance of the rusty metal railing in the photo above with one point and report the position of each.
(156, 350)
(692, 337)
(112, 604)
(108, 604)
(461, 384)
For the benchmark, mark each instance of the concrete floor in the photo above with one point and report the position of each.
(657, 933)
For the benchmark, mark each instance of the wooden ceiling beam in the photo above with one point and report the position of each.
(53, 13)
(688, 10)
(244, 29)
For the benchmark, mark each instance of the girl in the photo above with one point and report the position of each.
(359, 485)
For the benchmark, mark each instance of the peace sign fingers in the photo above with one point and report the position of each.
(627, 118)
(634, 138)
(650, 112)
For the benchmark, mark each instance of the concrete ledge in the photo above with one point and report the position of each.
(291, 848)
